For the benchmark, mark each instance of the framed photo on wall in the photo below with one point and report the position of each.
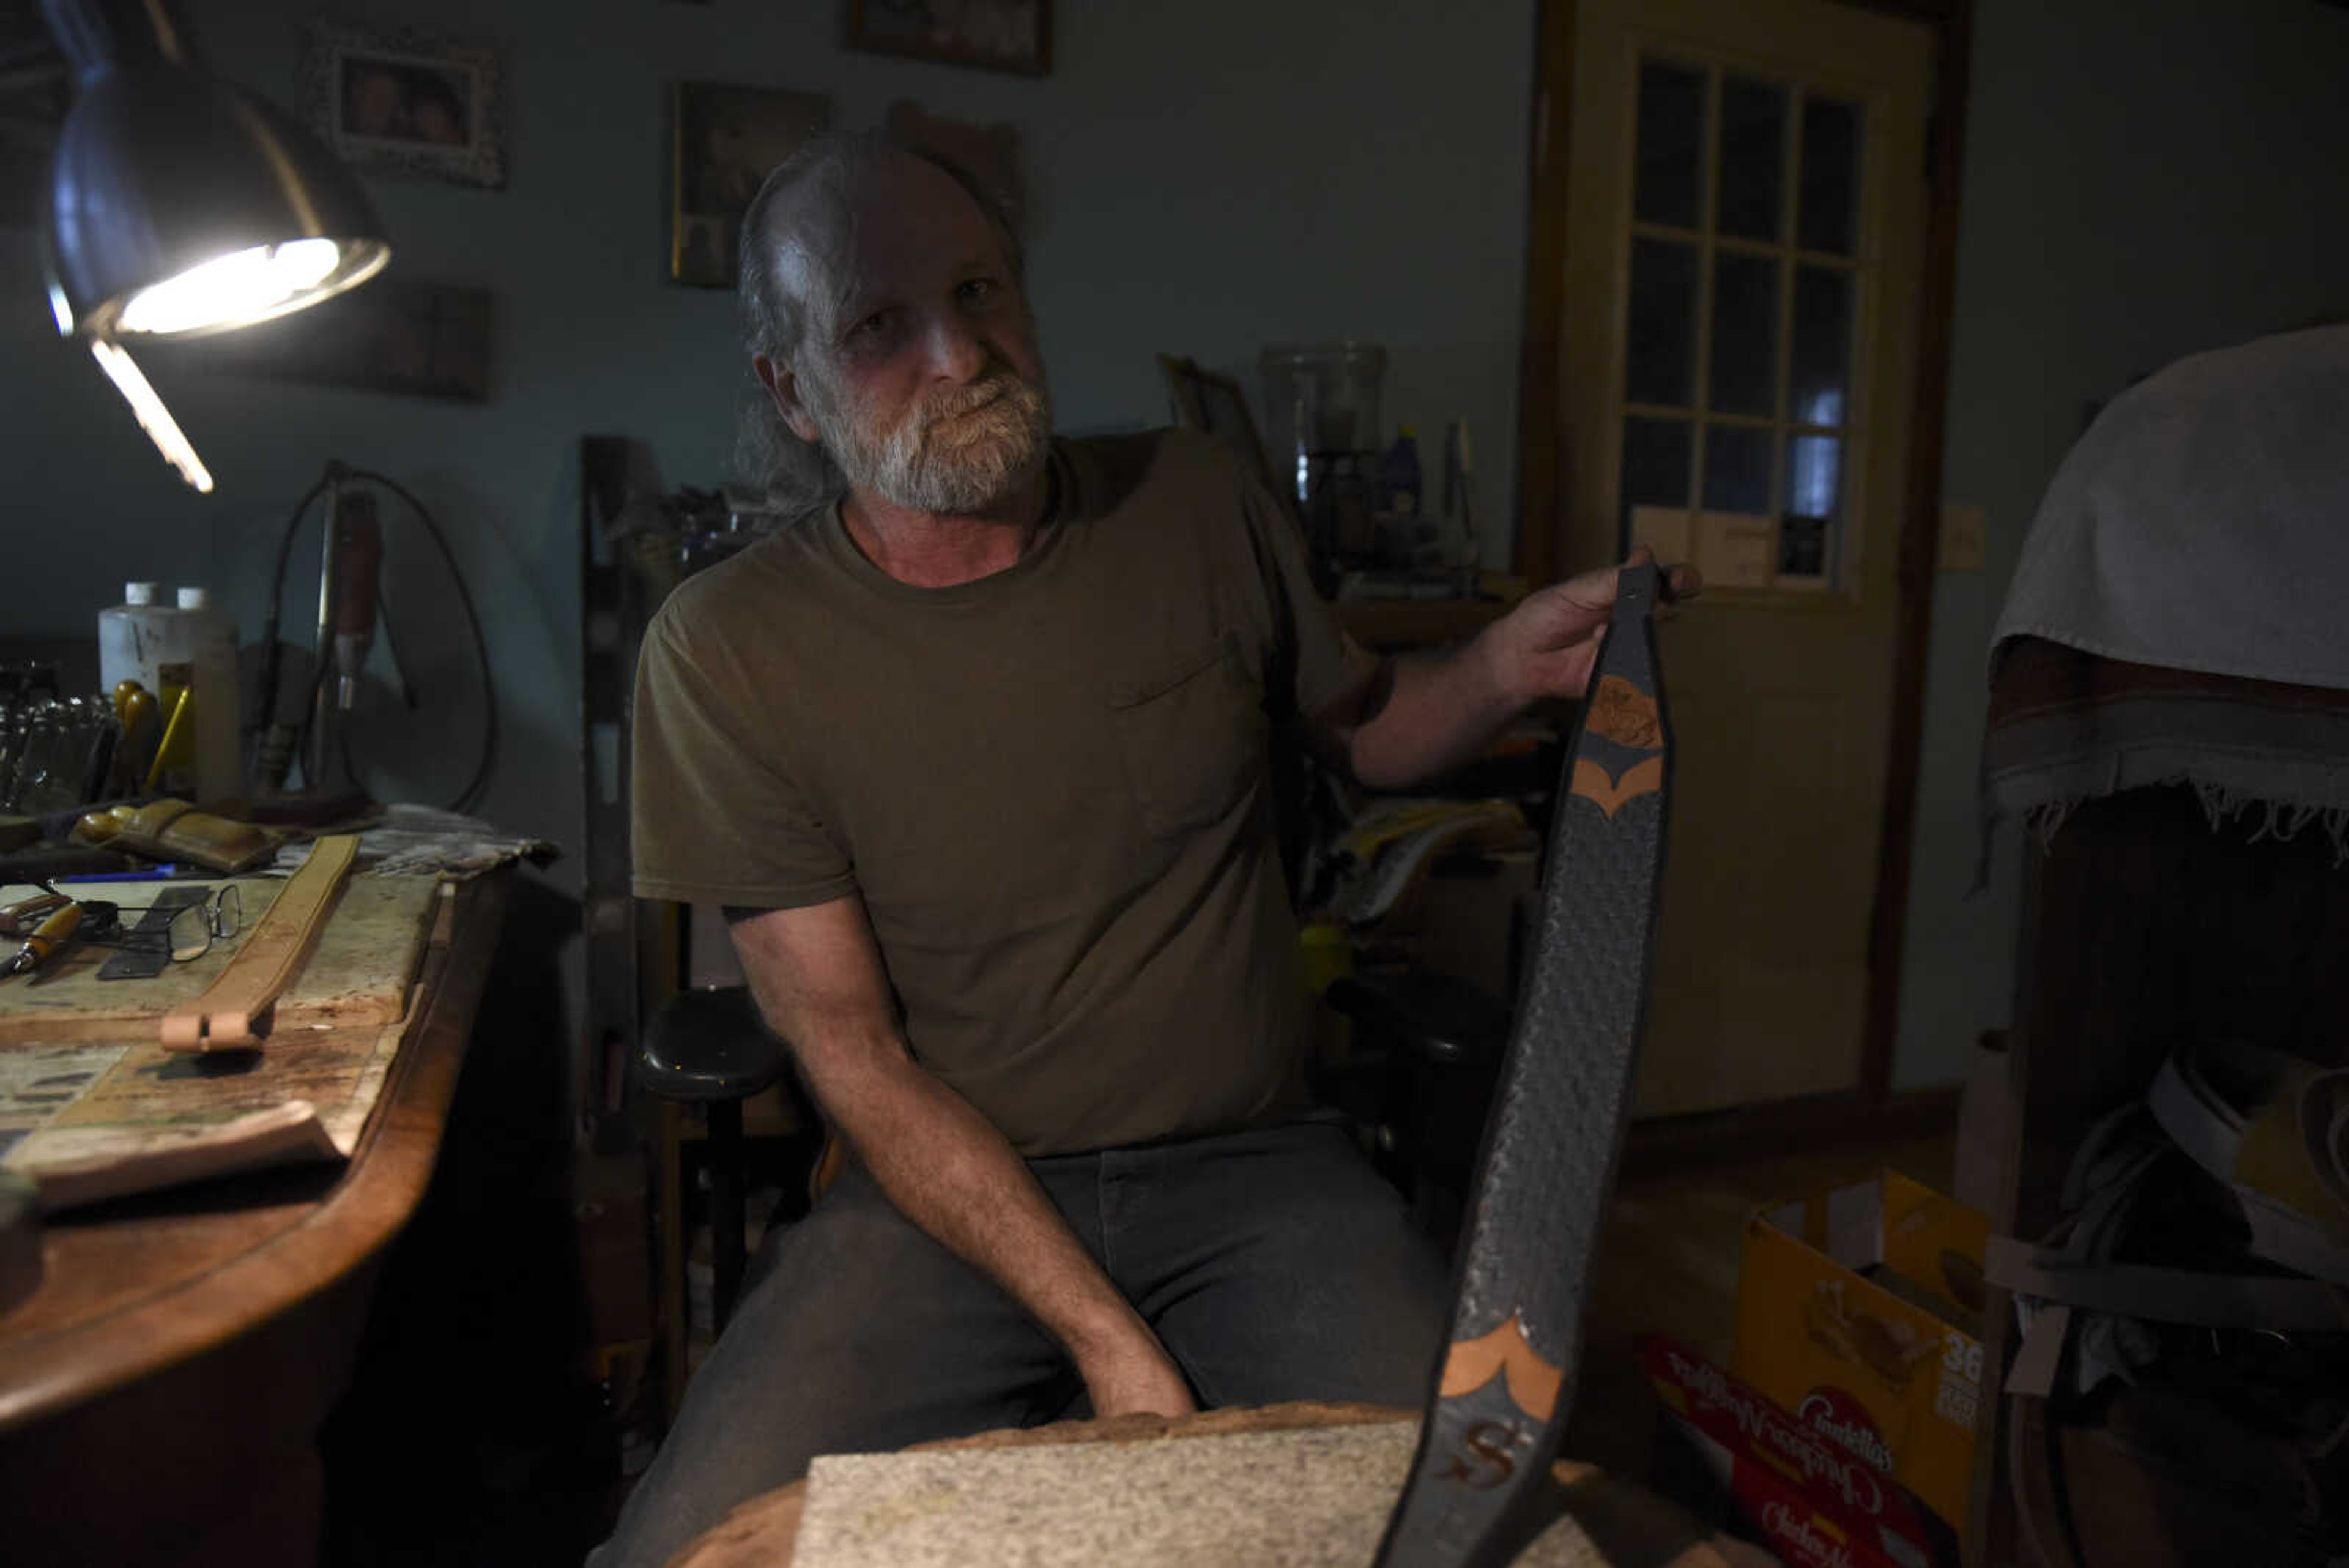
(1000, 34)
(407, 103)
(722, 141)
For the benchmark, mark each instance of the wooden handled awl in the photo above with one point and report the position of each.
(45, 940)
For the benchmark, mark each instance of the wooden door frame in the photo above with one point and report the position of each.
(1540, 491)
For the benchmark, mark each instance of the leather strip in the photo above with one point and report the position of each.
(2283, 1200)
(1502, 1387)
(231, 1013)
(2041, 1355)
(2170, 1295)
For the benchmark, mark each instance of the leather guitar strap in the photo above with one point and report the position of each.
(231, 1013)
(1503, 1384)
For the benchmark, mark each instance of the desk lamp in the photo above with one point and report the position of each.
(182, 206)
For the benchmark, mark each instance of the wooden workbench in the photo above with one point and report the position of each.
(161, 1395)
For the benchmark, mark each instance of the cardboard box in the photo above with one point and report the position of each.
(1814, 1502)
(1859, 1310)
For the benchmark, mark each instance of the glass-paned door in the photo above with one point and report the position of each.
(1740, 413)
(1736, 373)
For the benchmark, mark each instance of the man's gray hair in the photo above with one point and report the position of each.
(813, 185)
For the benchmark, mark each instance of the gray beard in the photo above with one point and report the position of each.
(959, 452)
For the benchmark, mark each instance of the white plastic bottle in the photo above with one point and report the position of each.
(187, 647)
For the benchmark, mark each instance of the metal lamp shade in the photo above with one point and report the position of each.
(160, 169)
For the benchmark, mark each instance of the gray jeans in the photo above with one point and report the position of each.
(1273, 1264)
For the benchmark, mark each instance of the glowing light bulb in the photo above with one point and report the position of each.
(245, 286)
(153, 417)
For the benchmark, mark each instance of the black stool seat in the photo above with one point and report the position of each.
(711, 1048)
(709, 1045)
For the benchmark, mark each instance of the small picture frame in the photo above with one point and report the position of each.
(723, 140)
(407, 103)
(996, 35)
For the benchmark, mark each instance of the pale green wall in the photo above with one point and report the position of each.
(2143, 178)
(1207, 178)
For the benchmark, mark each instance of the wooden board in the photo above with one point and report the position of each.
(359, 973)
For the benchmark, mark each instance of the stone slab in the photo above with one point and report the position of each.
(1314, 1498)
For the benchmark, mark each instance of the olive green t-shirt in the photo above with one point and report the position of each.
(1048, 786)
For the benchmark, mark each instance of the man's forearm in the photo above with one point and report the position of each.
(1437, 713)
(949, 1172)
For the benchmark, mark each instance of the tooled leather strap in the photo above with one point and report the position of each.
(229, 1013)
(1502, 1387)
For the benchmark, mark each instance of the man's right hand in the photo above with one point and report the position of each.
(1137, 1378)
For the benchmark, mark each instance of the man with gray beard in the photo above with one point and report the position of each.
(973, 754)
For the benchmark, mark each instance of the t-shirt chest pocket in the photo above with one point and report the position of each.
(1192, 734)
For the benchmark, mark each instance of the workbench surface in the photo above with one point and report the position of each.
(167, 1326)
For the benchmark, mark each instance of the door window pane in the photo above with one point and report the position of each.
(1671, 145)
(1753, 154)
(1743, 366)
(1659, 349)
(1736, 469)
(1807, 529)
(1819, 388)
(1655, 464)
(1830, 175)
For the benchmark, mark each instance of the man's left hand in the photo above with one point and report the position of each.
(1546, 646)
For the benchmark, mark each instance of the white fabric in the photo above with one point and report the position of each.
(2203, 521)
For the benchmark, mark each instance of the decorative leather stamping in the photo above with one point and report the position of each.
(1622, 713)
(1533, 1383)
(1608, 793)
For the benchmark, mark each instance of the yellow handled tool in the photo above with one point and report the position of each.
(47, 939)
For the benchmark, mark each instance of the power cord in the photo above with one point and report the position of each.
(337, 473)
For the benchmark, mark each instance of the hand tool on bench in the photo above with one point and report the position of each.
(23, 918)
(1503, 1383)
(46, 940)
(232, 1012)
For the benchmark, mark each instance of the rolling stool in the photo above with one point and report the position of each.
(712, 1049)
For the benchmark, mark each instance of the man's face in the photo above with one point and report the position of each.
(920, 372)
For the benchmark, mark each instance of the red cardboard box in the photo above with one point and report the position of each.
(1815, 1502)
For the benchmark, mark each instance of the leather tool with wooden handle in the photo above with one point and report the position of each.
(1504, 1382)
(233, 1012)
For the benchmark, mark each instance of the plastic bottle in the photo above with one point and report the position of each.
(188, 648)
(1399, 474)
